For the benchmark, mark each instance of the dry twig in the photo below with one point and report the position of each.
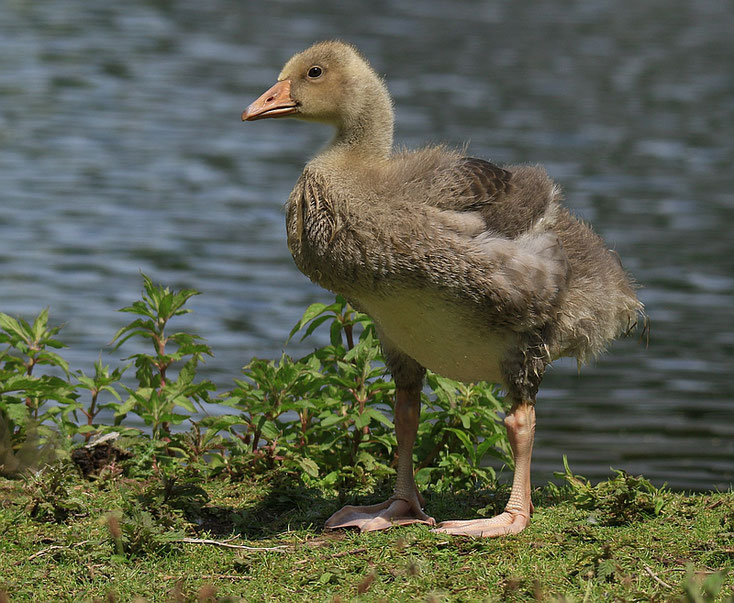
(227, 545)
(212, 577)
(658, 580)
(50, 549)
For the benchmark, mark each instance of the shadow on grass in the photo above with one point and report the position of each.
(286, 505)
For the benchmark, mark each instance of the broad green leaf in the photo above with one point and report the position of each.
(377, 415)
(330, 478)
(314, 325)
(466, 420)
(17, 412)
(335, 333)
(309, 466)
(185, 403)
(423, 476)
(311, 312)
(331, 420)
(362, 420)
(269, 430)
(12, 326)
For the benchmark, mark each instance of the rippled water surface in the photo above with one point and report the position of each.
(121, 150)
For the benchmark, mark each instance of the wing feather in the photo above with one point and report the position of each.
(508, 201)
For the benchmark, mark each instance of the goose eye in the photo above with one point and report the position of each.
(315, 72)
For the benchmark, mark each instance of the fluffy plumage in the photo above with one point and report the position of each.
(493, 238)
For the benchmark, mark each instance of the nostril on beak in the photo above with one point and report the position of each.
(270, 99)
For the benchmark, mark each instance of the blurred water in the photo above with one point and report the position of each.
(121, 150)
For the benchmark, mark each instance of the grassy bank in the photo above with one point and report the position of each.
(64, 538)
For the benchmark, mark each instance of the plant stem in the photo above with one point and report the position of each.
(349, 332)
(92, 407)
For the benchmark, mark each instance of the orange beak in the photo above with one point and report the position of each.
(276, 102)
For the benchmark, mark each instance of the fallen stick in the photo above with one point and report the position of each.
(658, 580)
(227, 545)
(53, 547)
(211, 577)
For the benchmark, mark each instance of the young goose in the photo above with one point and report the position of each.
(468, 269)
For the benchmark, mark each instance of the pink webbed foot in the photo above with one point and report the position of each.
(392, 512)
(520, 430)
(509, 522)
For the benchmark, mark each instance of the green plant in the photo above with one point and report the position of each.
(618, 501)
(343, 320)
(137, 532)
(153, 515)
(459, 429)
(170, 492)
(49, 493)
(99, 384)
(203, 447)
(159, 392)
(31, 341)
(24, 392)
(325, 418)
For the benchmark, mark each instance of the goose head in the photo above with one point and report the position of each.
(332, 83)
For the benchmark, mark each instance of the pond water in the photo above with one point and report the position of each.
(121, 151)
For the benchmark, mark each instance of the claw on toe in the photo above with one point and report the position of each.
(392, 512)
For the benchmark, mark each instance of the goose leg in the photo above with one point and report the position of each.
(520, 425)
(405, 505)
